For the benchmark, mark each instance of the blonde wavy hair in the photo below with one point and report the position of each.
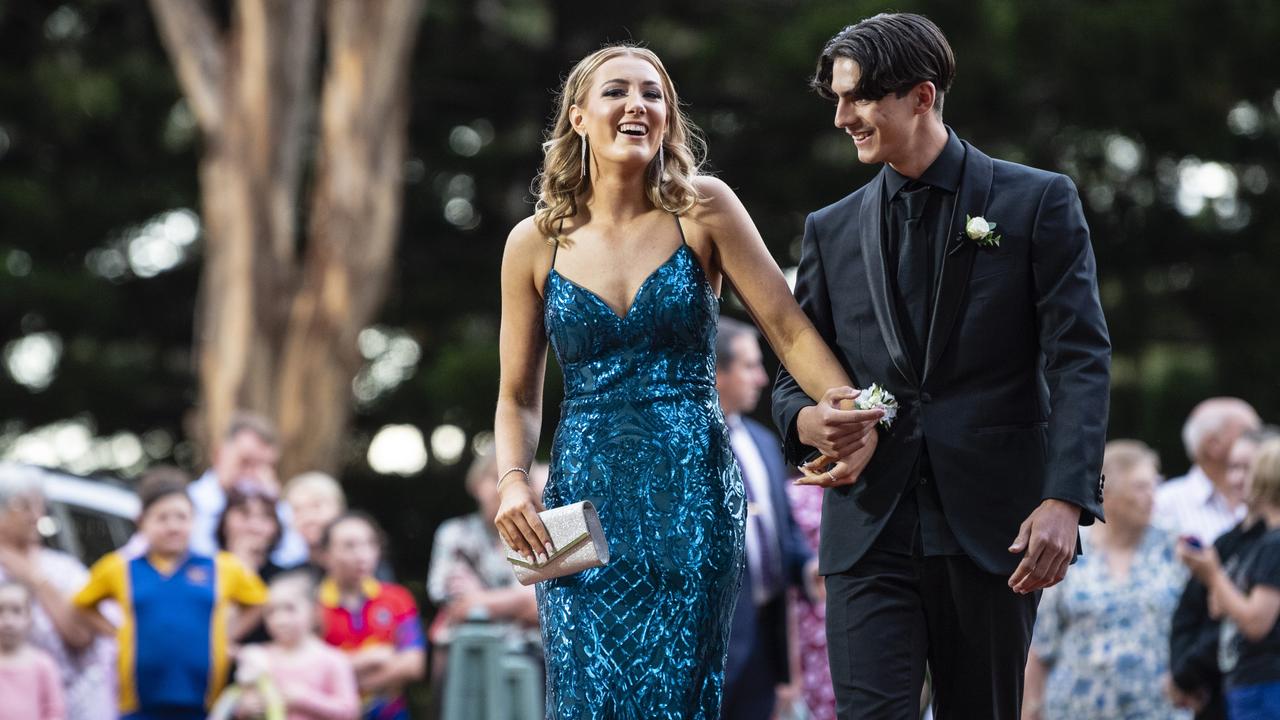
(1266, 475)
(561, 183)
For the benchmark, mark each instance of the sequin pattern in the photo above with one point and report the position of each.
(641, 436)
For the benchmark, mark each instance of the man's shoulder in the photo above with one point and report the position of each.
(397, 598)
(849, 204)
(1007, 171)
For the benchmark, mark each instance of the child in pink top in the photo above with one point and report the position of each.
(317, 682)
(29, 681)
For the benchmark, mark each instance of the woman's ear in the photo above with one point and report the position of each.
(577, 119)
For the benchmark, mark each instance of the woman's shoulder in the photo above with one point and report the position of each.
(714, 196)
(525, 233)
(527, 248)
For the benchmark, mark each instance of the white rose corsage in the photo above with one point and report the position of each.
(877, 397)
(981, 231)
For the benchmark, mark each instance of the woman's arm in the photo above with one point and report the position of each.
(1254, 614)
(25, 567)
(522, 349)
(244, 618)
(518, 603)
(75, 634)
(760, 284)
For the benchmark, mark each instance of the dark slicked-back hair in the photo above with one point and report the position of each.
(895, 52)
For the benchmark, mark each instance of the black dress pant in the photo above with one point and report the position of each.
(897, 610)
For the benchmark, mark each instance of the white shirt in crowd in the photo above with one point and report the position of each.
(756, 474)
(1191, 505)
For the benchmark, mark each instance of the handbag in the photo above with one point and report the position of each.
(577, 543)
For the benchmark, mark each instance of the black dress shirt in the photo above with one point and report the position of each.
(918, 525)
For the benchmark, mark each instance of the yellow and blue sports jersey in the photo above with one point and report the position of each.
(174, 635)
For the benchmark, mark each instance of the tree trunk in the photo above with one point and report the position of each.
(276, 328)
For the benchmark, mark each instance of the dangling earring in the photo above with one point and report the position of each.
(661, 167)
(584, 155)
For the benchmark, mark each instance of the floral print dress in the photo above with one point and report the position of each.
(1106, 640)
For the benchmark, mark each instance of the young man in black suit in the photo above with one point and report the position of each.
(777, 555)
(967, 287)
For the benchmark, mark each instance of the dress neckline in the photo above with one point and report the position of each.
(635, 298)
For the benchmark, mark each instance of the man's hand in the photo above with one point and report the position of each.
(844, 472)
(833, 426)
(1048, 537)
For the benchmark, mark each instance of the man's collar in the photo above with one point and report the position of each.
(1206, 493)
(331, 596)
(943, 173)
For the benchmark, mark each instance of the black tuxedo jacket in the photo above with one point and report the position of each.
(763, 629)
(1012, 397)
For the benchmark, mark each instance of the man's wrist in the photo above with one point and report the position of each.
(1065, 504)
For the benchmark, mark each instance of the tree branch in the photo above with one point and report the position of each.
(191, 37)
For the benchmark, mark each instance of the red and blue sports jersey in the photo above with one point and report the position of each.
(173, 638)
(388, 616)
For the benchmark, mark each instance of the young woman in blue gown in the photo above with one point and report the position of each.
(619, 269)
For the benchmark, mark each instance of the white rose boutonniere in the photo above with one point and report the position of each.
(981, 231)
(877, 397)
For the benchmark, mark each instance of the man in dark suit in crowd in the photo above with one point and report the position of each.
(777, 556)
(993, 341)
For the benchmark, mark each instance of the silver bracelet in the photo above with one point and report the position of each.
(505, 474)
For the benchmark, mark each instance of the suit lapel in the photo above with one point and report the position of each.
(872, 221)
(971, 199)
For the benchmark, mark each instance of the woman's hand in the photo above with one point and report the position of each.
(844, 472)
(1202, 562)
(518, 522)
(835, 426)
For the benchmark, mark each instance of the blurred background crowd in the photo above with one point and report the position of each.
(206, 213)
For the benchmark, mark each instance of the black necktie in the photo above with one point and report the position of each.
(913, 269)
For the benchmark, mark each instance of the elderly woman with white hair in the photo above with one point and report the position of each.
(1100, 650)
(84, 661)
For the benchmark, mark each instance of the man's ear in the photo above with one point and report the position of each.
(924, 95)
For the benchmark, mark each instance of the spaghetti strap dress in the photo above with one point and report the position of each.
(641, 435)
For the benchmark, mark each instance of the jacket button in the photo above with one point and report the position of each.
(925, 397)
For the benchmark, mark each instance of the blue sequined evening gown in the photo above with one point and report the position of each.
(641, 436)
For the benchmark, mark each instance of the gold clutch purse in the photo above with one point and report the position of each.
(577, 543)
